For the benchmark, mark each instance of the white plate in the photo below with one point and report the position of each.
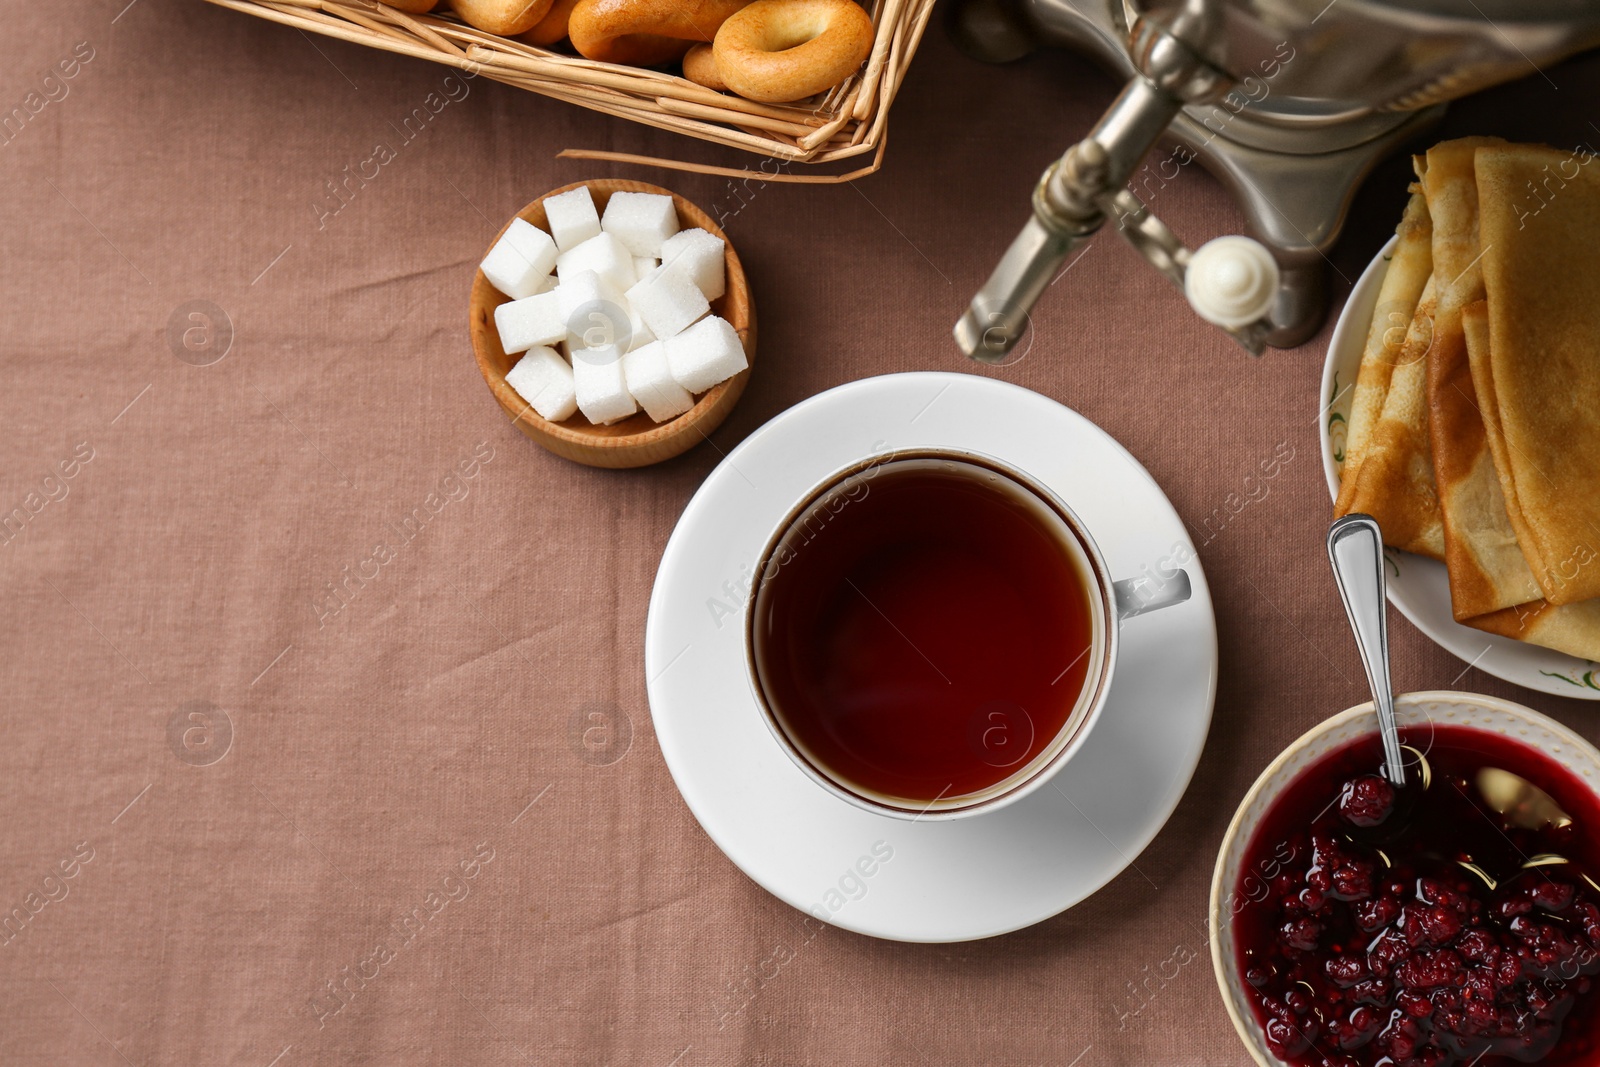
(893, 878)
(1418, 586)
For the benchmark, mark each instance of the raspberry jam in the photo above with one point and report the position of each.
(1426, 929)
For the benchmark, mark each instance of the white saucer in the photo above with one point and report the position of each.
(887, 877)
(1418, 586)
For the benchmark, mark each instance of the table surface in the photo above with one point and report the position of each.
(406, 853)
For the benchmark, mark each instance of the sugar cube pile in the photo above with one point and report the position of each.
(612, 311)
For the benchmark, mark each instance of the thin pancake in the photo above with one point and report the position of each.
(1539, 381)
(1487, 570)
(1403, 282)
(1570, 628)
(1395, 481)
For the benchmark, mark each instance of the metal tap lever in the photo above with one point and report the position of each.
(998, 315)
(1083, 188)
(1068, 206)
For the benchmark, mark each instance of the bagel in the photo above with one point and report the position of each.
(700, 67)
(504, 17)
(645, 32)
(553, 27)
(778, 51)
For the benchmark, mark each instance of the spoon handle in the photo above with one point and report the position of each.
(1355, 548)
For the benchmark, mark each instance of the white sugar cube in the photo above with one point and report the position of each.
(701, 254)
(668, 300)
(595, 314)
(601, 384)
(530, 322)
(639, 334)
(706, 353)
(652, 384)
(603, 254)
(572, 217)
(544, 380)
(519, 261)
(643, 265)
(584, 287)
(641, 220)
(545, 286)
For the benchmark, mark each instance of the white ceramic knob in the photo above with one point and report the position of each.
(1231, 281)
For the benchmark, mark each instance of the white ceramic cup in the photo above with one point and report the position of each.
(1110, 603)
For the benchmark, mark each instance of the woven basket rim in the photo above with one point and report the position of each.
(845, 124)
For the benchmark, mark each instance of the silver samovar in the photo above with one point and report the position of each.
(1290, 103)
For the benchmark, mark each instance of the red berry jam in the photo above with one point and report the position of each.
(1377, 927)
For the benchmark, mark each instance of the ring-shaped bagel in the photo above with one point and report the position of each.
(644, 32)
(504, 17)
(777, 51)
(700, 67)
(553, 27)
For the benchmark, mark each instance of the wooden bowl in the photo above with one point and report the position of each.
(636, 441)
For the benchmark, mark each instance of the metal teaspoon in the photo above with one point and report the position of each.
(1355, 548)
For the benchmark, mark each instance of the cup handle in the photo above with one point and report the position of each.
(1139, 596)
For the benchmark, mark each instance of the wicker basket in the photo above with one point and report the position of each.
(847, 122)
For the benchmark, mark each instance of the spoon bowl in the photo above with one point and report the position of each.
(1520, 801)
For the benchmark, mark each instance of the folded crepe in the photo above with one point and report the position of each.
(1487, 568)
(1570, 628)
(1538, 381)
(1476, 440)
(1394, 482)
(1398, 296)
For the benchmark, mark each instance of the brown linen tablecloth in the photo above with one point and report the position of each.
(360, 877)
